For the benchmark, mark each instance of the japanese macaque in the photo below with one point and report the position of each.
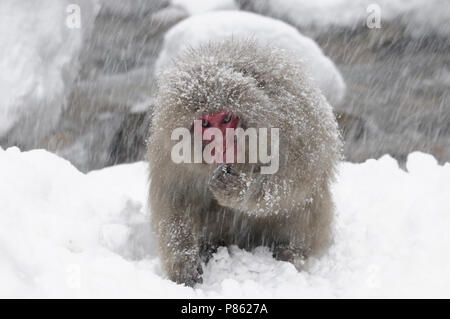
(196, 207)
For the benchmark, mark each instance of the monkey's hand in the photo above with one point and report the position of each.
(227, 185)
(256, 193)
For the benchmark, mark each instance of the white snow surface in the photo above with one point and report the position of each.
(201, 6)
(38, 61)
(416, 14)
(68, 234)
(219, 25)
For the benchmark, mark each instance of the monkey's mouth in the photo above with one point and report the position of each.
(228, 154)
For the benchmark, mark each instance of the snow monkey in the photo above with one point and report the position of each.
(196, 207)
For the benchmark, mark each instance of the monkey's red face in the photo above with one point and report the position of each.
(222, 120)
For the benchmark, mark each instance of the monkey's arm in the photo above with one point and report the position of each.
(257, 193)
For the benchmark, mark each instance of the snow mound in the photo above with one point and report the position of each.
(38, 61)
(201, 6)
(350, 13)
(68, 234)
(219, 25)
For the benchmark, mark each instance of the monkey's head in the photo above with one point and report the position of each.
(215, 89)
(238, 83)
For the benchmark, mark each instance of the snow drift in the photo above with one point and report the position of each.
(219, 25)
(68, 234)
(201, 6)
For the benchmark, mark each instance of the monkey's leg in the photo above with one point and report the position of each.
(308, 231)
(180, 252)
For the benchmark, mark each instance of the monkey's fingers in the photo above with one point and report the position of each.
(224, 169)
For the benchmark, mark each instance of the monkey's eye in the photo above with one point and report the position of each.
(205, 123)
(227, 118)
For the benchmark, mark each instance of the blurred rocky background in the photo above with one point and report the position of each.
(397, 77)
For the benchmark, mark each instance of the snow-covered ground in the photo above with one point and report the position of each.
(68, 234)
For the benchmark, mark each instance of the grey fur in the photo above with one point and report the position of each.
(195, 208)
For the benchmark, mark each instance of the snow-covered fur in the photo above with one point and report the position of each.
(290, 211)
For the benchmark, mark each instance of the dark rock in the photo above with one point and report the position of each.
(129, 141)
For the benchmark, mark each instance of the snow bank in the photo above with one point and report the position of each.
(416, 14)
(67, 234)
(216, 26)
(38, 54)
(201, 6)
